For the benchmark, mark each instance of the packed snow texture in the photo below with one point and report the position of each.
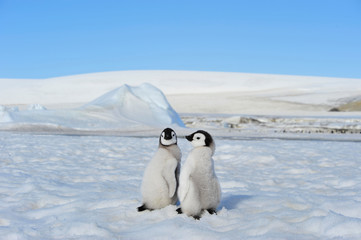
(88, 187)
(123, 108)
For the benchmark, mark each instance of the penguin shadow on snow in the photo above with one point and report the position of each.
(230, 202)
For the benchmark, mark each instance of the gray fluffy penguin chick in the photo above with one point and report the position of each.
(160, 180)
(199, 188)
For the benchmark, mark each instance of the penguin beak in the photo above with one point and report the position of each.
(189, 138)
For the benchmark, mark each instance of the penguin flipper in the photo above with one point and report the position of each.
(169, 175)
(184, 184)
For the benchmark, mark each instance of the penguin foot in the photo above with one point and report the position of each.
(196, 217)
(143, 208)
(211, 211)
(179, 211)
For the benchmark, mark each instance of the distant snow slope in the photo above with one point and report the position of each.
(124, 108)
(191, 91)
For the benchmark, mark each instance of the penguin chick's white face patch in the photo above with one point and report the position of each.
(198, 140)
(168, 137)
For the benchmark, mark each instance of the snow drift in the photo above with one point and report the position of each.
(123, 108)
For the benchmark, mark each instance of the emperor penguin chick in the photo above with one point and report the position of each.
(199, 188)
(160, 180)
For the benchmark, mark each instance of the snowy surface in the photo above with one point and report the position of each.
(88, 187)
(71, 166)
(192, 91)
(269, 125)
(270, 103)
(125, 108)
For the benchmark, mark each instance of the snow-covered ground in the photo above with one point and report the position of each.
(88, 187)
(73, 151)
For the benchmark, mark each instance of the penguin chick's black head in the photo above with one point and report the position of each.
(168, 137)
(200, 138)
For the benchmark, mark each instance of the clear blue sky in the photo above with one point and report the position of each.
(49, 38)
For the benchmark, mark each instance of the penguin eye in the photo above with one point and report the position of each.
(173, 134)
(163, 134)
(198, 138)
